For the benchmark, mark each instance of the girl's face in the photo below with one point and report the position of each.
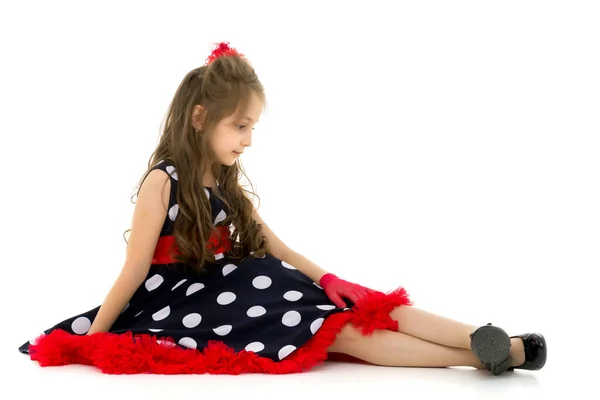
(233, 134)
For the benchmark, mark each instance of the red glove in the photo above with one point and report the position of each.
(336, 288)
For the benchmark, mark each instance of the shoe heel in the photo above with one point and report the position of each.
(498, 368)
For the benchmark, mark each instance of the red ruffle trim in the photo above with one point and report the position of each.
(143, 353)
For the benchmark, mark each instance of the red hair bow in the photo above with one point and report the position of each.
(222, 49)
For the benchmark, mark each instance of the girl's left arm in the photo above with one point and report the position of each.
(304, 265)
(335, 288)
(281, 251)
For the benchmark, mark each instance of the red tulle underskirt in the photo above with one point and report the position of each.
(142, 353)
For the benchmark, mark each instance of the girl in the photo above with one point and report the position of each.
(207, 287)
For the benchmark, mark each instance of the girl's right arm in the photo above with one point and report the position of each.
(148, 218)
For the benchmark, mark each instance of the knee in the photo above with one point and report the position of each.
(345, 339)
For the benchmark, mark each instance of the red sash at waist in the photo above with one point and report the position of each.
(166, 248)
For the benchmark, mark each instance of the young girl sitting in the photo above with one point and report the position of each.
(207, 286)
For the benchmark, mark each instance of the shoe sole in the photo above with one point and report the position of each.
(492, 346)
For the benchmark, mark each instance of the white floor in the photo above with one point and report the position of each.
(562, 376)
(332, 380)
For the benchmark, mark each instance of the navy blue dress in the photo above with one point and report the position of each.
(262, 305)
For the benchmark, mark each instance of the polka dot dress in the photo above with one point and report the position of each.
(261, 305)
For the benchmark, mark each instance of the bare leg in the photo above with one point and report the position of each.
(395, 349)
(433, 328)
(441, 330)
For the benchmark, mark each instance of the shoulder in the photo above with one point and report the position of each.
(162, 171)
(157, 184)
(166, 166)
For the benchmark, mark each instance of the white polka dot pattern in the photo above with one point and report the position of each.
(262, 305)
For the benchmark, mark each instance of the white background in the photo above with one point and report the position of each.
(449, 147)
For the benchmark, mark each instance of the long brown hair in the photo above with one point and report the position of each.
(222, 87)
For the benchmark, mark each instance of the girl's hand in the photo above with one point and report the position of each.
(336, 288)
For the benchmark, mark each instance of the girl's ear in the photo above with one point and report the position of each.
(198, 116)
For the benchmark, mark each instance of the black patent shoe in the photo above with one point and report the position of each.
(535, 351)
(492, 346)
